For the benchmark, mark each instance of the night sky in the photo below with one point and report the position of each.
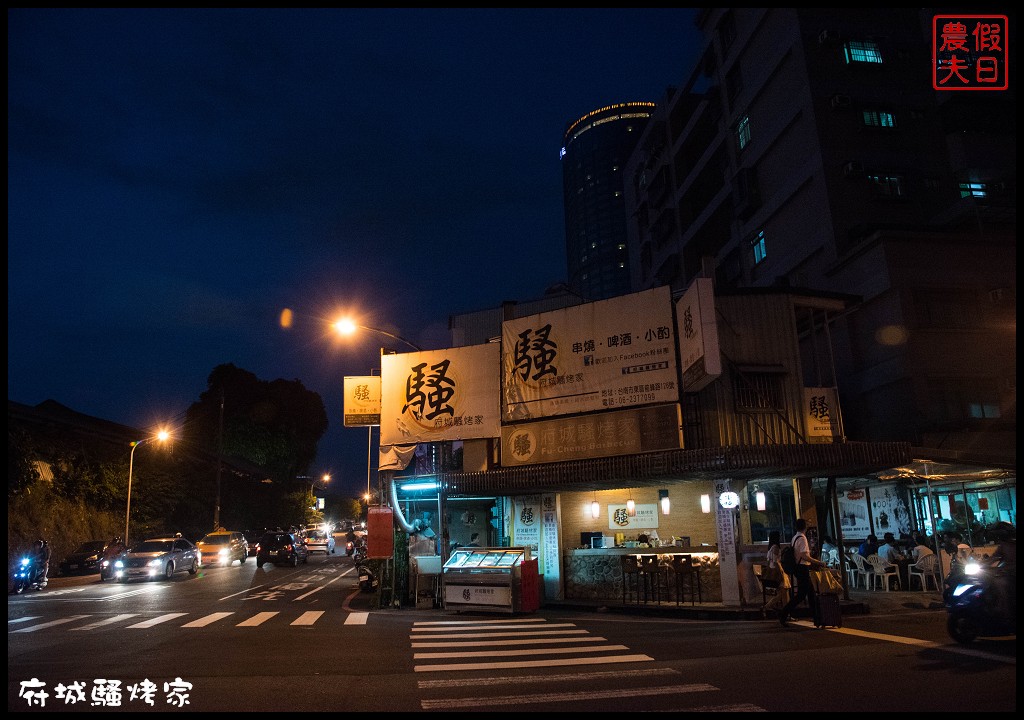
(179, 178)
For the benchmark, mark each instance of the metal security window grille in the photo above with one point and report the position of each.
(758, 392)
(862, 52)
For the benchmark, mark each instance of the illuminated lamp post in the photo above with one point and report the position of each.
(161, 436)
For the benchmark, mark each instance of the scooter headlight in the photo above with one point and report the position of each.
(24, 561)
(972, 568)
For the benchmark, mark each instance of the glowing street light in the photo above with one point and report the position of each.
(312, 487)
(161, 436)
(347, 326)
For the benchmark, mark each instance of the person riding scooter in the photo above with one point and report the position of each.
(41, 560)
(110, 555)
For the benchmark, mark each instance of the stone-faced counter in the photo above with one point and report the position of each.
(596, 574)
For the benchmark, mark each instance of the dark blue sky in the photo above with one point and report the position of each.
(177, 178)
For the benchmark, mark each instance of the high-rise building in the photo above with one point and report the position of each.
(809, 149)
(594, 151)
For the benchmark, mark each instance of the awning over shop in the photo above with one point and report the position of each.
(650, 469)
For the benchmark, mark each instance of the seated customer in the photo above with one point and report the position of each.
(921, 548)
(889, 552)
(868, 547)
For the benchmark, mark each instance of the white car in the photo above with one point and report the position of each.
(320, 541)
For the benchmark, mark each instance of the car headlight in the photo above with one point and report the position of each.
(118, 564)
(154, 562)
(223, 553)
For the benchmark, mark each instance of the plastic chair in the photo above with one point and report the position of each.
(883, 571)
(925, 569)
(863, 571)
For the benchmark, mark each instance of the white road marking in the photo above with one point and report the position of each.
(208, 620)
(520, 633)
(24, 619)
(33, 628)
(521, 679)
(156, 621)
(308, 618)
(521, 628)
(553, 662)
(108, 621)
(257, 619)
(505, 700)
(357, 618)
(511, 653)
(496, 643)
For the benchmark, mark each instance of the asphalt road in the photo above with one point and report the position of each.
(241, 639)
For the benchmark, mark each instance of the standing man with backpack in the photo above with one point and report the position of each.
(801, 571)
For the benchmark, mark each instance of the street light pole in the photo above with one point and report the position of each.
(347, 327)
(161, 436)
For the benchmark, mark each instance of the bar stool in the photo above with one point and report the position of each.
(631, 579)
(653, 578)
(683, 568)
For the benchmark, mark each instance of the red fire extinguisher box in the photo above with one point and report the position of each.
(380, 533)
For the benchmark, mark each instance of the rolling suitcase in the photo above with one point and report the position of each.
(828, 612)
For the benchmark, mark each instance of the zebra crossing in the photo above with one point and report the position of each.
(135, 621)
(534, 643)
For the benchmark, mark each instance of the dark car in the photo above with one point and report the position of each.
(86, 559)
(281, 548)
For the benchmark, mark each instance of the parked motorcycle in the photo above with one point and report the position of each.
(25, 576)
(971, 598)
(368, 581)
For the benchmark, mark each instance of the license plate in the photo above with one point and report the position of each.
(364, 578)
(73, 567)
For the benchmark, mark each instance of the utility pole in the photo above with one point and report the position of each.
(220, 460)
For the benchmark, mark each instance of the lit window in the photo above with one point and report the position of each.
(863, 52)
(970, 189)
(760, 253)
(888, 185)
(743, 132)
(874, 118)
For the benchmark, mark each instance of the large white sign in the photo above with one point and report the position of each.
(604, 355)
(821, 414)
(699, 355)
(435, 395)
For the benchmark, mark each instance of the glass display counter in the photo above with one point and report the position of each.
(489, 579)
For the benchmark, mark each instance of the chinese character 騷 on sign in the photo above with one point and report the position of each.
(969, 52)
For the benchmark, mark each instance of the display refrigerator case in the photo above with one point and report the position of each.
(491, 579)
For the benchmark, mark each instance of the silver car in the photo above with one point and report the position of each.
(158, 558)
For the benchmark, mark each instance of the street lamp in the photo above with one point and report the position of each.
(312, 487)
(347, 326)
(161, 436)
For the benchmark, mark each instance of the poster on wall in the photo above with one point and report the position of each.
(889, 511)
(646, 518)
(526, 522)
(854, 514)
(550, 562)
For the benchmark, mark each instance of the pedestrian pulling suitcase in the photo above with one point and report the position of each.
(828, 612)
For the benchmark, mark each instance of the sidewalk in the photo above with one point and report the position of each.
(861, 602)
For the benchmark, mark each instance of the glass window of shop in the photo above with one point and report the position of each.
(779, 511)
(967, 509)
